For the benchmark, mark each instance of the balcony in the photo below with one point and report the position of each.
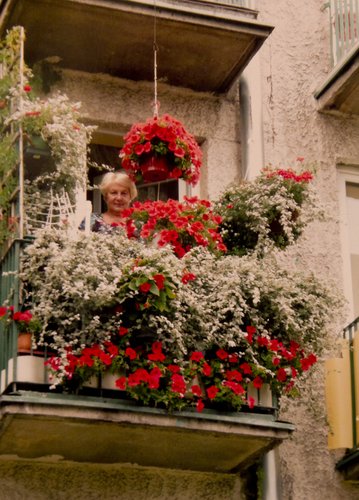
(342, 395)
(203, 46)
(37, 422)
(339, 94)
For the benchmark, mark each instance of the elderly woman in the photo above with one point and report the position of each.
(118, 191)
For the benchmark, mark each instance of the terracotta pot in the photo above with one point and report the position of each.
(24, 342)
(155, 169)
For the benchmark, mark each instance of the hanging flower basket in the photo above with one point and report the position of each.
(161, 138)
(155, 169)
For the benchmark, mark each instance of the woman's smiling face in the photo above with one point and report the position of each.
(117, 198)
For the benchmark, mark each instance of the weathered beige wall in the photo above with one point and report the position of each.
(120, 103)
(20, 480)
(295, 61)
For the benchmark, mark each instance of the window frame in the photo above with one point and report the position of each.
(348, 172)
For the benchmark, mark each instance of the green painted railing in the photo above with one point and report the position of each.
(344, 24)
(9, 295)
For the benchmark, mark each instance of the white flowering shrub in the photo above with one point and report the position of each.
(77, 285)
(106, 302)
(269, 212)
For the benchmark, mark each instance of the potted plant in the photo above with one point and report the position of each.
(181, 225)
(25, 326)
(172, 330)
(161, 149)
(269, 212)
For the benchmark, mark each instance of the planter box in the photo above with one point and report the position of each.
(28, 369)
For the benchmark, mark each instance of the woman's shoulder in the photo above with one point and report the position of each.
(95, 220)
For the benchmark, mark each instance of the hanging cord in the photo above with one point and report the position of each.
(155, 50)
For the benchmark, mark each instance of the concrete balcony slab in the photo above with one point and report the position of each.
(201, 45)
(42, 426)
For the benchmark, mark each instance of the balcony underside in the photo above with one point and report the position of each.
(202, 46)
(85, 429)
(340, 93)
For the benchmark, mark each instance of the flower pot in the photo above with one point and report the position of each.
(24, 342)
(155, 169)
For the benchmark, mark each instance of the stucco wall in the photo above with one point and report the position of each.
(21, 480)
(294, 62)
(214, 120)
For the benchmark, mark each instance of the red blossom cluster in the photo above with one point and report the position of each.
(164, 136)
(18, 316)
(305, 176)
(203, 378)
(183, 225)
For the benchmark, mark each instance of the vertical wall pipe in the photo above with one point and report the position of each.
(252, 147)
(251, 120)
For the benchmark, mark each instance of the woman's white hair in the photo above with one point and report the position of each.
(117, 178)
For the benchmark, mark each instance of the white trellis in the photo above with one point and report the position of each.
(56, 211)
(53, 211)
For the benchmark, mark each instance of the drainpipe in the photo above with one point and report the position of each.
(271, 481)
(252, 148)
(251, 129)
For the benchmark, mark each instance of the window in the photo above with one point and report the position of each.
(104, 151)
(349, 208)
(352, 209)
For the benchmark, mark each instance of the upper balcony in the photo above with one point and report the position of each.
(340, 92)
(202, 45)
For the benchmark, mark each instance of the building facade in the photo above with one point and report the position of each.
(257, 83)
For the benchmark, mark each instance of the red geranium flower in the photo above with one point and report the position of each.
(212, 391)
(199, 406)
(236, 388)
(222, 354)
(121, 383)
(145, 287)
(206, 370)
(234, 375)
(174, 368)
(131, 353)
(122, 331)
(281, 375)
(257, 382)
(159, 279)
(251, 402)
(196, 356)
(157, 354)
(246, 368)
(178, 384)
(196, 390)
(188, 277)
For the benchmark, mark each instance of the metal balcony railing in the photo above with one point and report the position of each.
(9, 296)
(20, 369)
(351, 334)
(344, 23)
